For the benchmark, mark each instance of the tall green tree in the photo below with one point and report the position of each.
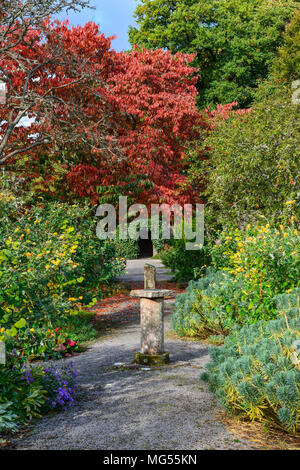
(287, 64)
(235, 41)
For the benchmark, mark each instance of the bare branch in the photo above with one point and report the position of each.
(17, 17)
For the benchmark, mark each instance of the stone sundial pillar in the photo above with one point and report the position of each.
(152, 320)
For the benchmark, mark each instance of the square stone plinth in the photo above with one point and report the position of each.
(152, 325)
(151, 293)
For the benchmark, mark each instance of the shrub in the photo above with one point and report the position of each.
(50, 261)
(202, 310)
(264, 262)
(59, 383)
(8, 419)
(286, 66)
(23, 399)
(126, 249)
(64, 336)
(183, 262)
(251, 268)
(256, 373)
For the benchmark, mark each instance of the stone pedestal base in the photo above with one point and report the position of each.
(151, 359)
(152, 326)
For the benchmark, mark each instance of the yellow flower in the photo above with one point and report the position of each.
(72, 299)
(290, 202)
(28, 255)
(285, 234)
(2, 330)
(32, 330)
(56, 262)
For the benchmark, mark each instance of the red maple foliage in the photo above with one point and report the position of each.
(122, 119)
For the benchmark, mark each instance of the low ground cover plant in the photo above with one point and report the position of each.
(256, 373)
(28, 391)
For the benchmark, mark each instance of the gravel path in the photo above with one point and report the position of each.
(164, 408)
(159, 409)
(135, 270)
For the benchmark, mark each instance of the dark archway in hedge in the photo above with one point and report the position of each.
(145, 247)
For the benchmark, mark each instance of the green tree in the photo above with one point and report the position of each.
(253, 163)
(235, 41)
(287, 64)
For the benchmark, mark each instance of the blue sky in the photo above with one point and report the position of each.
(114, 17)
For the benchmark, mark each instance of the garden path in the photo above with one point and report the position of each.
(135, 270)
(165, 408)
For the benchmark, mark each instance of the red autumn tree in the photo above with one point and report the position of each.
(59, 84)
(23, 29)
(119, 119)
(154, 93)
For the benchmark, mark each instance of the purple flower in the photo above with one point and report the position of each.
(61, 385)
(27, 375)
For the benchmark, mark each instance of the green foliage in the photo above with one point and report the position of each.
(206, 307)
(261, 150)
(286, 66)
(235, 42)
(126, 249)
(22, 400)
(50, 261)
(264, 256)
(27, 391)
(159, 245)
(183, 262)
(65, 334)
(252, 268)
(7, 418)
(264, 262)
(256, 373)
